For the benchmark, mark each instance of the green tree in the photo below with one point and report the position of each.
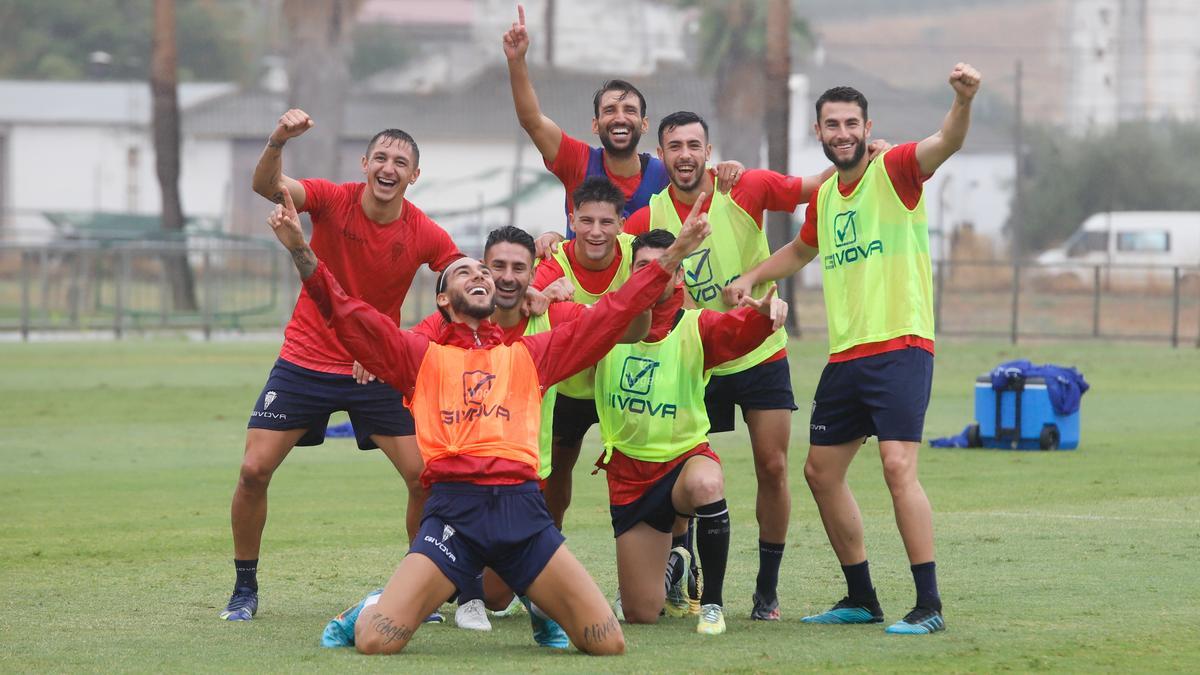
(1150, 166)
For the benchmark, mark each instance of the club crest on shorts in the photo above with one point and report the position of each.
(269, 399)
(447, 532)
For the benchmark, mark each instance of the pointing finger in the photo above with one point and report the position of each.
(521, 15)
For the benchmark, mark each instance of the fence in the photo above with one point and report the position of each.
(248, 285)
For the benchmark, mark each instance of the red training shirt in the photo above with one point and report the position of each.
(372, 261)
(592, 281)
(905, 173)
(570, 167)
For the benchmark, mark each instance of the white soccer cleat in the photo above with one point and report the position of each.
(472, 616)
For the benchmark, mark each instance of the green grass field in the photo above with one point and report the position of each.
(117, 462)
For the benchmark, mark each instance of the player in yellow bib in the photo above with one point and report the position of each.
(868, 227)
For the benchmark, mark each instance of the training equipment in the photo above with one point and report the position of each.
(472, 615)
(845, 612)
(677, 604)
(764, 611)
(712, 620)
(1020, 417)
(243, 605)
(919, 621)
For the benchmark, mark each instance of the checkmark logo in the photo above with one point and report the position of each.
(845, 229)
(477, 384)
(697, 268)
(637, 374)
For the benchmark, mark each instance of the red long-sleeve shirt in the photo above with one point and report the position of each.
(395, 355)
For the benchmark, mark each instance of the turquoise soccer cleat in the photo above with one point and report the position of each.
(848, 612)
(920, 621)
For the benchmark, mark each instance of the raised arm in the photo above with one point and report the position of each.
(545, 134)
(373, 339)
(783, 263)
(936, 149)
(268, 179)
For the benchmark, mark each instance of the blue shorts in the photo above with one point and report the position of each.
(466, 527)
(767, 386)
(884, 395)
(299, 398)
(654, 507)
(573, 417)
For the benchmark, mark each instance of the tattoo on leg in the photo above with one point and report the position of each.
(599, 632)
(390, 631)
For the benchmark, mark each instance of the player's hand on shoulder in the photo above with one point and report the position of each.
(559, 290)
(516, 38)
(546, 245)
(291, 124)
(729, 173)
(965, 80)
(877, 147)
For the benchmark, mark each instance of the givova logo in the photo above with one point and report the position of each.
(476, 386)
(637, 379)
(845, 239)
(699, 277)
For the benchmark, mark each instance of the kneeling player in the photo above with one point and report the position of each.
(650, 401)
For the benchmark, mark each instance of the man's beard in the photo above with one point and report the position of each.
(635, 137)
(697, 178)
(462, 308)
(501, 303)
(859, 150)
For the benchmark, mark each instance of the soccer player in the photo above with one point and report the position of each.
(477, 405)
(650, 400)
(510, 253)
(373, 240)
(619, 120)
(869, 227)
(760, 381)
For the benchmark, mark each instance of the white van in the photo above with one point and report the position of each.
(1140, 245)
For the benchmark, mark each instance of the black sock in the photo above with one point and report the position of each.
(712, 541)
(675, 570)
(925, 576)
(769, 557)
(858, 583)
(247, 574)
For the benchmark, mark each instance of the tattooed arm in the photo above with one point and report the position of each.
(269, 180)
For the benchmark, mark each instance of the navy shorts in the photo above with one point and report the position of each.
(573, 417)
(654, 507)
(884, 395)
(466, 527)
(299, 398)
(767, 386)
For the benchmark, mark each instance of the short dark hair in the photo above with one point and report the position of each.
(510, 235)
(681, 118)
(651, 239)
(843, 95)
(626, 88)
(397, 135)
(598, 189)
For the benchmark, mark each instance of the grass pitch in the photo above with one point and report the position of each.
(117, 463)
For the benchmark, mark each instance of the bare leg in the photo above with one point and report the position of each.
(404, 454)
(770, 431)
(825, 471)
(914, 517)
(564, 454)
(265, 451)
(416, 589)
(566, 592)
(496, 594)
(641, 559)
(700, 482)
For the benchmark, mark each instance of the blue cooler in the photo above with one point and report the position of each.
(1020, 417)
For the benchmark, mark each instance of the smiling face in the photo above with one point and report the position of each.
(390, 167)
(685, 151)
(619, 122)
(467, 290)
(843, 133)
(512, 272)
(596, 226)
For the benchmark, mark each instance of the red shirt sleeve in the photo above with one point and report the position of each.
(431, 326)
(729, 335)
(441, 248)
(570, 164)
(317, 194)
(391, 353)
(638, 222)
(904, 170)
(570, 347)
(761, 190)
(546, 273)
(562, 312)
(808, 231)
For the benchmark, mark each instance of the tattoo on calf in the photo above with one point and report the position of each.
(390, 631)
(599, 632)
